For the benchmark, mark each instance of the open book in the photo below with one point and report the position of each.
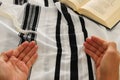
(105, 12)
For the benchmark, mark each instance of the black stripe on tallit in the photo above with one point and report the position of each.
(46, 3)
(59, 48)
(35, 22)
(34, 28)
(25, 23)
(73, 44)
(90, 70)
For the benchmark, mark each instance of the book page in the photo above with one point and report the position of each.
(76, 3)
(82, 2)
(103, 8)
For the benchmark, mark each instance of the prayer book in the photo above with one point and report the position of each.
(105, 12)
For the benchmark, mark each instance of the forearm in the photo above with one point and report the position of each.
(111, 75)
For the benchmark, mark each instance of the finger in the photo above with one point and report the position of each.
(32, 61)
(91, 54)
(20, 48)
(90, 47)
(99, 41)
(27, 50)
(92, 43)
(30, 54)
(98, 51)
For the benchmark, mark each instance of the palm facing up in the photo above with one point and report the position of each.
(15, 64)
(106, 57)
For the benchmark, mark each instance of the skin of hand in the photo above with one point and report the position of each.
(105, 56)
(15, 64)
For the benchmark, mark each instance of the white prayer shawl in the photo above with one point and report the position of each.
(60, 36)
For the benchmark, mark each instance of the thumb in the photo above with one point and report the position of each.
(6, 55)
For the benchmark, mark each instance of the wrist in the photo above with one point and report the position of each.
(113, 75)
